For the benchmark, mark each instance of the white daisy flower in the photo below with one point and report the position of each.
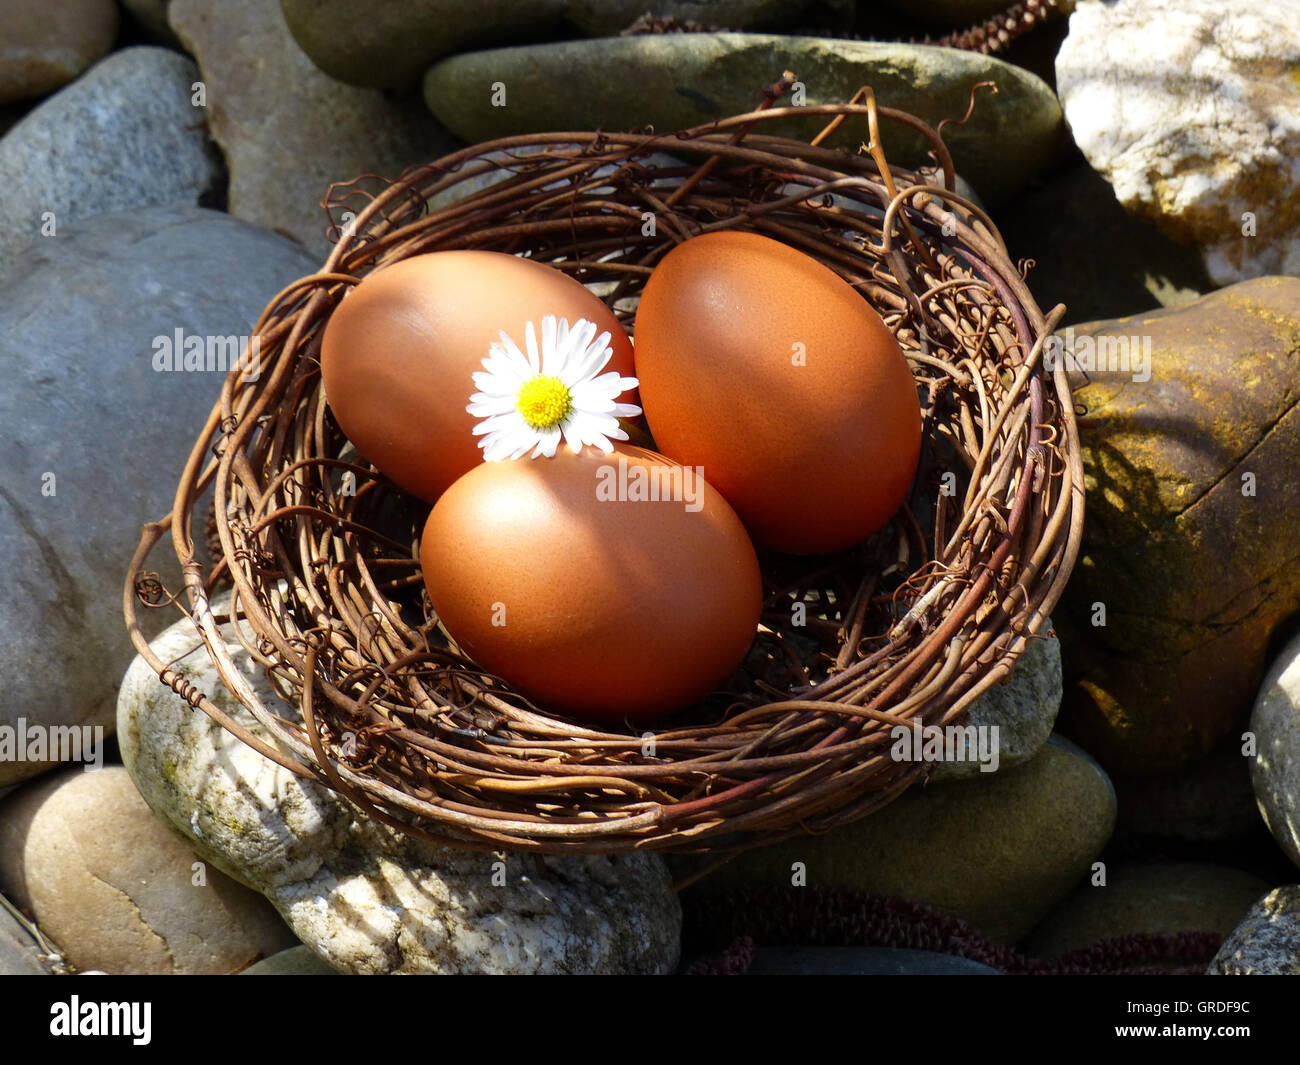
(530, 402)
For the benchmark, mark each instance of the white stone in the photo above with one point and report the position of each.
(362, 896)
(1191, 109)
(1275, 770)
(1023, 709)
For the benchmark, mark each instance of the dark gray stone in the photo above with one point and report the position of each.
(83, 403)
(123, 135)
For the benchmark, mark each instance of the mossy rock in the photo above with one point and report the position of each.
(392, 42)
(998, 852)
(1149, 898)
(677, 81)
(1189, 539)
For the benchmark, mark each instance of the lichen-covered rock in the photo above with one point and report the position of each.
(1188, 554)
(361, 895)
(1191, 109)
(115, 888)
(690, 79)
(1267, 942)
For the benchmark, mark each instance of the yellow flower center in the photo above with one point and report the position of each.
(544, 402)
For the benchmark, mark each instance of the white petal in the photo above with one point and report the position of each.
(483, 406)
(592, 427)
(573, 433)
(509, 422)
(586, 365)
(550, 356)
(502, 373)
(599, 391)
(530, 338)
(509, 348)
(550, 440)
(496, 447)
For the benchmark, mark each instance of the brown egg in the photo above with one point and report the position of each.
(609, 587)
(400, 351)
(764, 367)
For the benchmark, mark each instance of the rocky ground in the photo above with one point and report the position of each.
(163, 166)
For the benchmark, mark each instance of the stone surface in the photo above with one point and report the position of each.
(115, 888)
(684, 80)
(95, 438)
(1209, 800)
(953, 14)
(1275, 769)
(47, 45)
(124, 135)
(508, 164)
(1194, 125)
(1023, 708)
(398, 39)
(1267, 942)
(1092, 255)
(288, 132)
(861, 961)
(19, 954)
(607, 18)
(361, 896)
(296, 961)
(151, 17)
(997, 852)
(1150, 898)
(1193, 573)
